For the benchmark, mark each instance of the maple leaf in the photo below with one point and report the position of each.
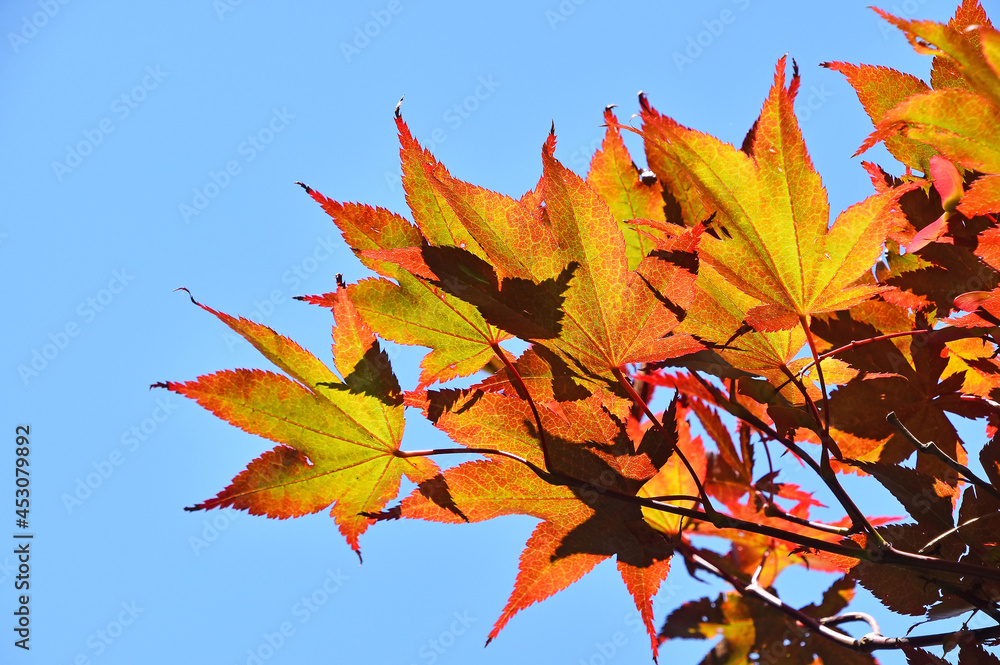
(630, 193)
(775, 243)
(879, 90)
(610, 315)
(581, 526)
(337, 438)
(958, 117)
(939, 272)
(409, 310)
(912, 385)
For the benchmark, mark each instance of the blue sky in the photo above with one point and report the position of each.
(150, 146)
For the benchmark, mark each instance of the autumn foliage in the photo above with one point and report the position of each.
(775, 338)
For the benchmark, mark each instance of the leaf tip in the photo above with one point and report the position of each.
(309, 190)
(185, 290)
(396, 112)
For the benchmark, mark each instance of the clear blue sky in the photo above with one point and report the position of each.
(118, 115)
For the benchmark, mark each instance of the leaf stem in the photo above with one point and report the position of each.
(638, 401)
(522, 391)
(804, 320)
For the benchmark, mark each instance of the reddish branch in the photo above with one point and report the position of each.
(641, 403)
(858, 519)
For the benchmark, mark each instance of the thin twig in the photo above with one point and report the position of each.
(873, 641)
(522, 391)
(886, 554)
(636, 399)
(858, 519)
(952, 530)
(847, 617)
(932, 449)
(862, 342)
(772, 509)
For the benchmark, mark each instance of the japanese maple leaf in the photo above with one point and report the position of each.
(552, 268)
(772, 239)
(631, 194)
(880, 89)
(399, 306)
(958, 118)
(911, 383)
(337, 437)
(615, 316)
(580, 526)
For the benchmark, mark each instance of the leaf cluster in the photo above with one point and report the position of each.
(717, 276)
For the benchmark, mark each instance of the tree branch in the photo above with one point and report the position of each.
(637, 400)
(880, 554)
(932, 449)
(873, 641)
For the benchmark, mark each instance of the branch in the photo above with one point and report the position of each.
(641, 403)
(873, 641)
(931, 448)
(522, 391)
(772, 509)
(717, 519)
(881, 554)
(847, 617)
(858, 519)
